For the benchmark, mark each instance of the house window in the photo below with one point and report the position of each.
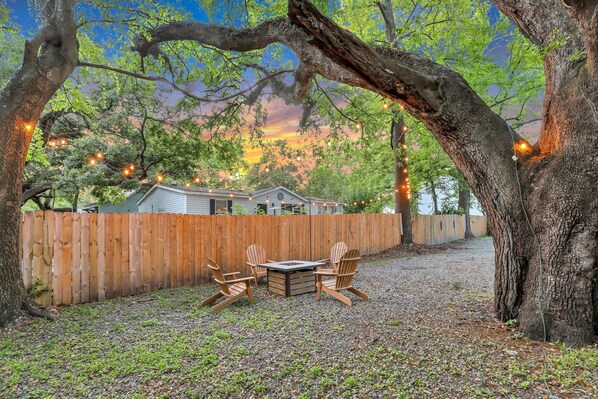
(221, 207)
(262, 208)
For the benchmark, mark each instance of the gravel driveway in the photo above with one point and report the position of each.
(427, 331)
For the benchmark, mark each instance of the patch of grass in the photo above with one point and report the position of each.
(350, 382)
(149, 323)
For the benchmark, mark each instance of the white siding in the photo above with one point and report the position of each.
(163, 201)
(198, 205)
(128, 206)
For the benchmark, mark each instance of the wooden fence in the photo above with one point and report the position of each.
(439, 229)
(88, 257)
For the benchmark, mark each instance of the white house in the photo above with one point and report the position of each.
(127, 206)
(165, 198)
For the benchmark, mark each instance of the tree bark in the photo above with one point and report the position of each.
(401, 174)
(464, 204)
(546, 271)
(49, 59)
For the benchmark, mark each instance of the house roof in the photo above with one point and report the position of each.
(194, 190)
(269, 190)
(323, 201)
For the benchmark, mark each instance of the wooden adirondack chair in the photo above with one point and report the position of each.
(233, 289)
(256, 255)
(343, 279)
(336, 253)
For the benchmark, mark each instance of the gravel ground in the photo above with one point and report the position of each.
(427, 331)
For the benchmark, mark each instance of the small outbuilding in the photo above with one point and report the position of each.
(165, 198)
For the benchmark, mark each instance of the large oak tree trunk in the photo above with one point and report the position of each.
(543, 207)
(49, 59)
(547, 271)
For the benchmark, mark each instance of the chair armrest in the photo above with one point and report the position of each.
(270, 261)
(251, 264)
(238, 280)
(327, 260)
(326, 272)
(231, 274)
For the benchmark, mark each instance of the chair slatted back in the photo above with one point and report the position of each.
(337, 251)
(218, 276)
(346, 269)
(256, 254)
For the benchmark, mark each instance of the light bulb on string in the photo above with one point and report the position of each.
(160, 178)
(404, 146)
(267, 169)
(28, 127)
(187, 184)
(52, 143)
(385, 105)
(99, 155)
(132, 167)
(196, 180)
(91, 161)
(63, 141)
(126, 172)
(209, 190)
(405, 128)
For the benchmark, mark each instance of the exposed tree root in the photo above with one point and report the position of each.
(34, 310)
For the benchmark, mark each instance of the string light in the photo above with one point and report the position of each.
(28, 127)
(99, 155)
(298, 159)
(187, 185)
(329, 143)
(405, 170)
(250, 198)
(231, 195)
(52, 143)
(160, 178)
(209, 190)
(405, 128)
(354, 203)
(92, 161)
(132, 167)
(126, 172)
(196, 180)
(401, 106)
(404, 146)
(267, 169)
(406, 159)
(385, 105)
(63, 141)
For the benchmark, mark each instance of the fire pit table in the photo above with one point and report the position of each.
(292, 277)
